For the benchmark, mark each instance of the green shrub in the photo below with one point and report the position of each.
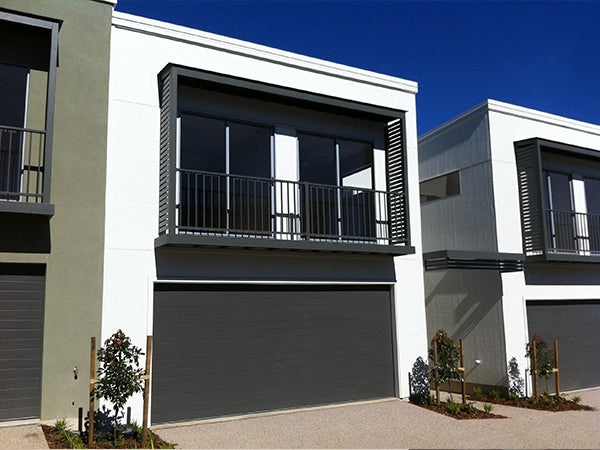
(494, 394)
(545, 394)
(487, 407)
(429, 400)
(549, 401)
(448, 359)
(119, 373)
(70, 439)
(545, 356)
(454, 408)
(513, 397)
(576, 399)
(477, 392)
(533, 400)
(469, 408)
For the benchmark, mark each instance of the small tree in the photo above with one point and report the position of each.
(545, 357)
(448, 359)
(119, 373)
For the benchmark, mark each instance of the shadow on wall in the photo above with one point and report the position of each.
(516, 383)
(418, 380)
(468, 305)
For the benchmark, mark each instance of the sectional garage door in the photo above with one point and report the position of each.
(576, 325)
(21, 334)
(235, 349)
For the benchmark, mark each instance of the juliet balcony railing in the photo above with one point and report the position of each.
(573, 233)
(240, 206)
(22, 164)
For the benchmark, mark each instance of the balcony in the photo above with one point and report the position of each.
(228, 210)
(572, 233)
(22, 156)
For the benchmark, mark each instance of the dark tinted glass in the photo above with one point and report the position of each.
(202, 143)
(249, 150)
(592, 195)
(559, 191)
(440, 187)
(317, 159)
(13, 94)
(356, 162)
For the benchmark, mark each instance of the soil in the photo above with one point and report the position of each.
(461, 415)
(542, 404)
(54, 441)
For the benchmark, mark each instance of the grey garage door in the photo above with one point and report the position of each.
(21, 333)
(576, 325)
(226, 349)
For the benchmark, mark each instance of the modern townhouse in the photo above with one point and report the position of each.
(510, 203)
(258, 223)
(53, 125)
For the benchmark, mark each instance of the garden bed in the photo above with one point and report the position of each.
(474, 413)
(56, 439)
(545, 402)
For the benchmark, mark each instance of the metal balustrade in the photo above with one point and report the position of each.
(222, 204)
(21, 164)
(573, 233)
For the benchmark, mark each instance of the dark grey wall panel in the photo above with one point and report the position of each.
(245, 265)
(578, 274)
(575, 323)
(21, 340)
(468, 304)
(227, 349)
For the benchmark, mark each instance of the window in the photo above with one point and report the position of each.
(341, 201)
(13, 99)
(224, 174)
(440, 187)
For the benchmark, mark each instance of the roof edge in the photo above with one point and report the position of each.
(193, 36)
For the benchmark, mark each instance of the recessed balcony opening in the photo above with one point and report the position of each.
(243, 161)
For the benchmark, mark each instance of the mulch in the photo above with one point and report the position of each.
(461, 415)
(54, 441)
(564, 405)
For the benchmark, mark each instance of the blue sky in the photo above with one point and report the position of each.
(540, 54)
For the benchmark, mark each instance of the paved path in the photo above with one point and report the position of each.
(396, 423)
(388, 423)
(24, 436)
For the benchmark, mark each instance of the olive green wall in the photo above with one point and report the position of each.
(73, 308)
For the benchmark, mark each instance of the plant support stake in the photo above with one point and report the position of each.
(146, 378)
(92, 382)
(464, 372)
(557, 378)
(435, 373)
(535, 372)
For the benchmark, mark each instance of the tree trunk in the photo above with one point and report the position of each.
(115, 425)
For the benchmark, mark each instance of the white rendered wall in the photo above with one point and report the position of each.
(411, 329)
(133, 161)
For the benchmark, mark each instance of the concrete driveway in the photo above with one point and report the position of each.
(395, 423)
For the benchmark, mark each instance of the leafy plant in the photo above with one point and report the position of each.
(549, 401)
(469, 408)
(487, 407)
(448, 358)
(576, 399)
(546, 394)
(545, 356)
(533, 400)
(513, 397)
(428, 400)
(477, 392)
(494, 394)
(67, 436)
(453, 407)
(119, 373)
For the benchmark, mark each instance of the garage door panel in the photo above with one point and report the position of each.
(575, 324)
(21, 340)
(231, 350)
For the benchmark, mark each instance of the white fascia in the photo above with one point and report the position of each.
(192, 36)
